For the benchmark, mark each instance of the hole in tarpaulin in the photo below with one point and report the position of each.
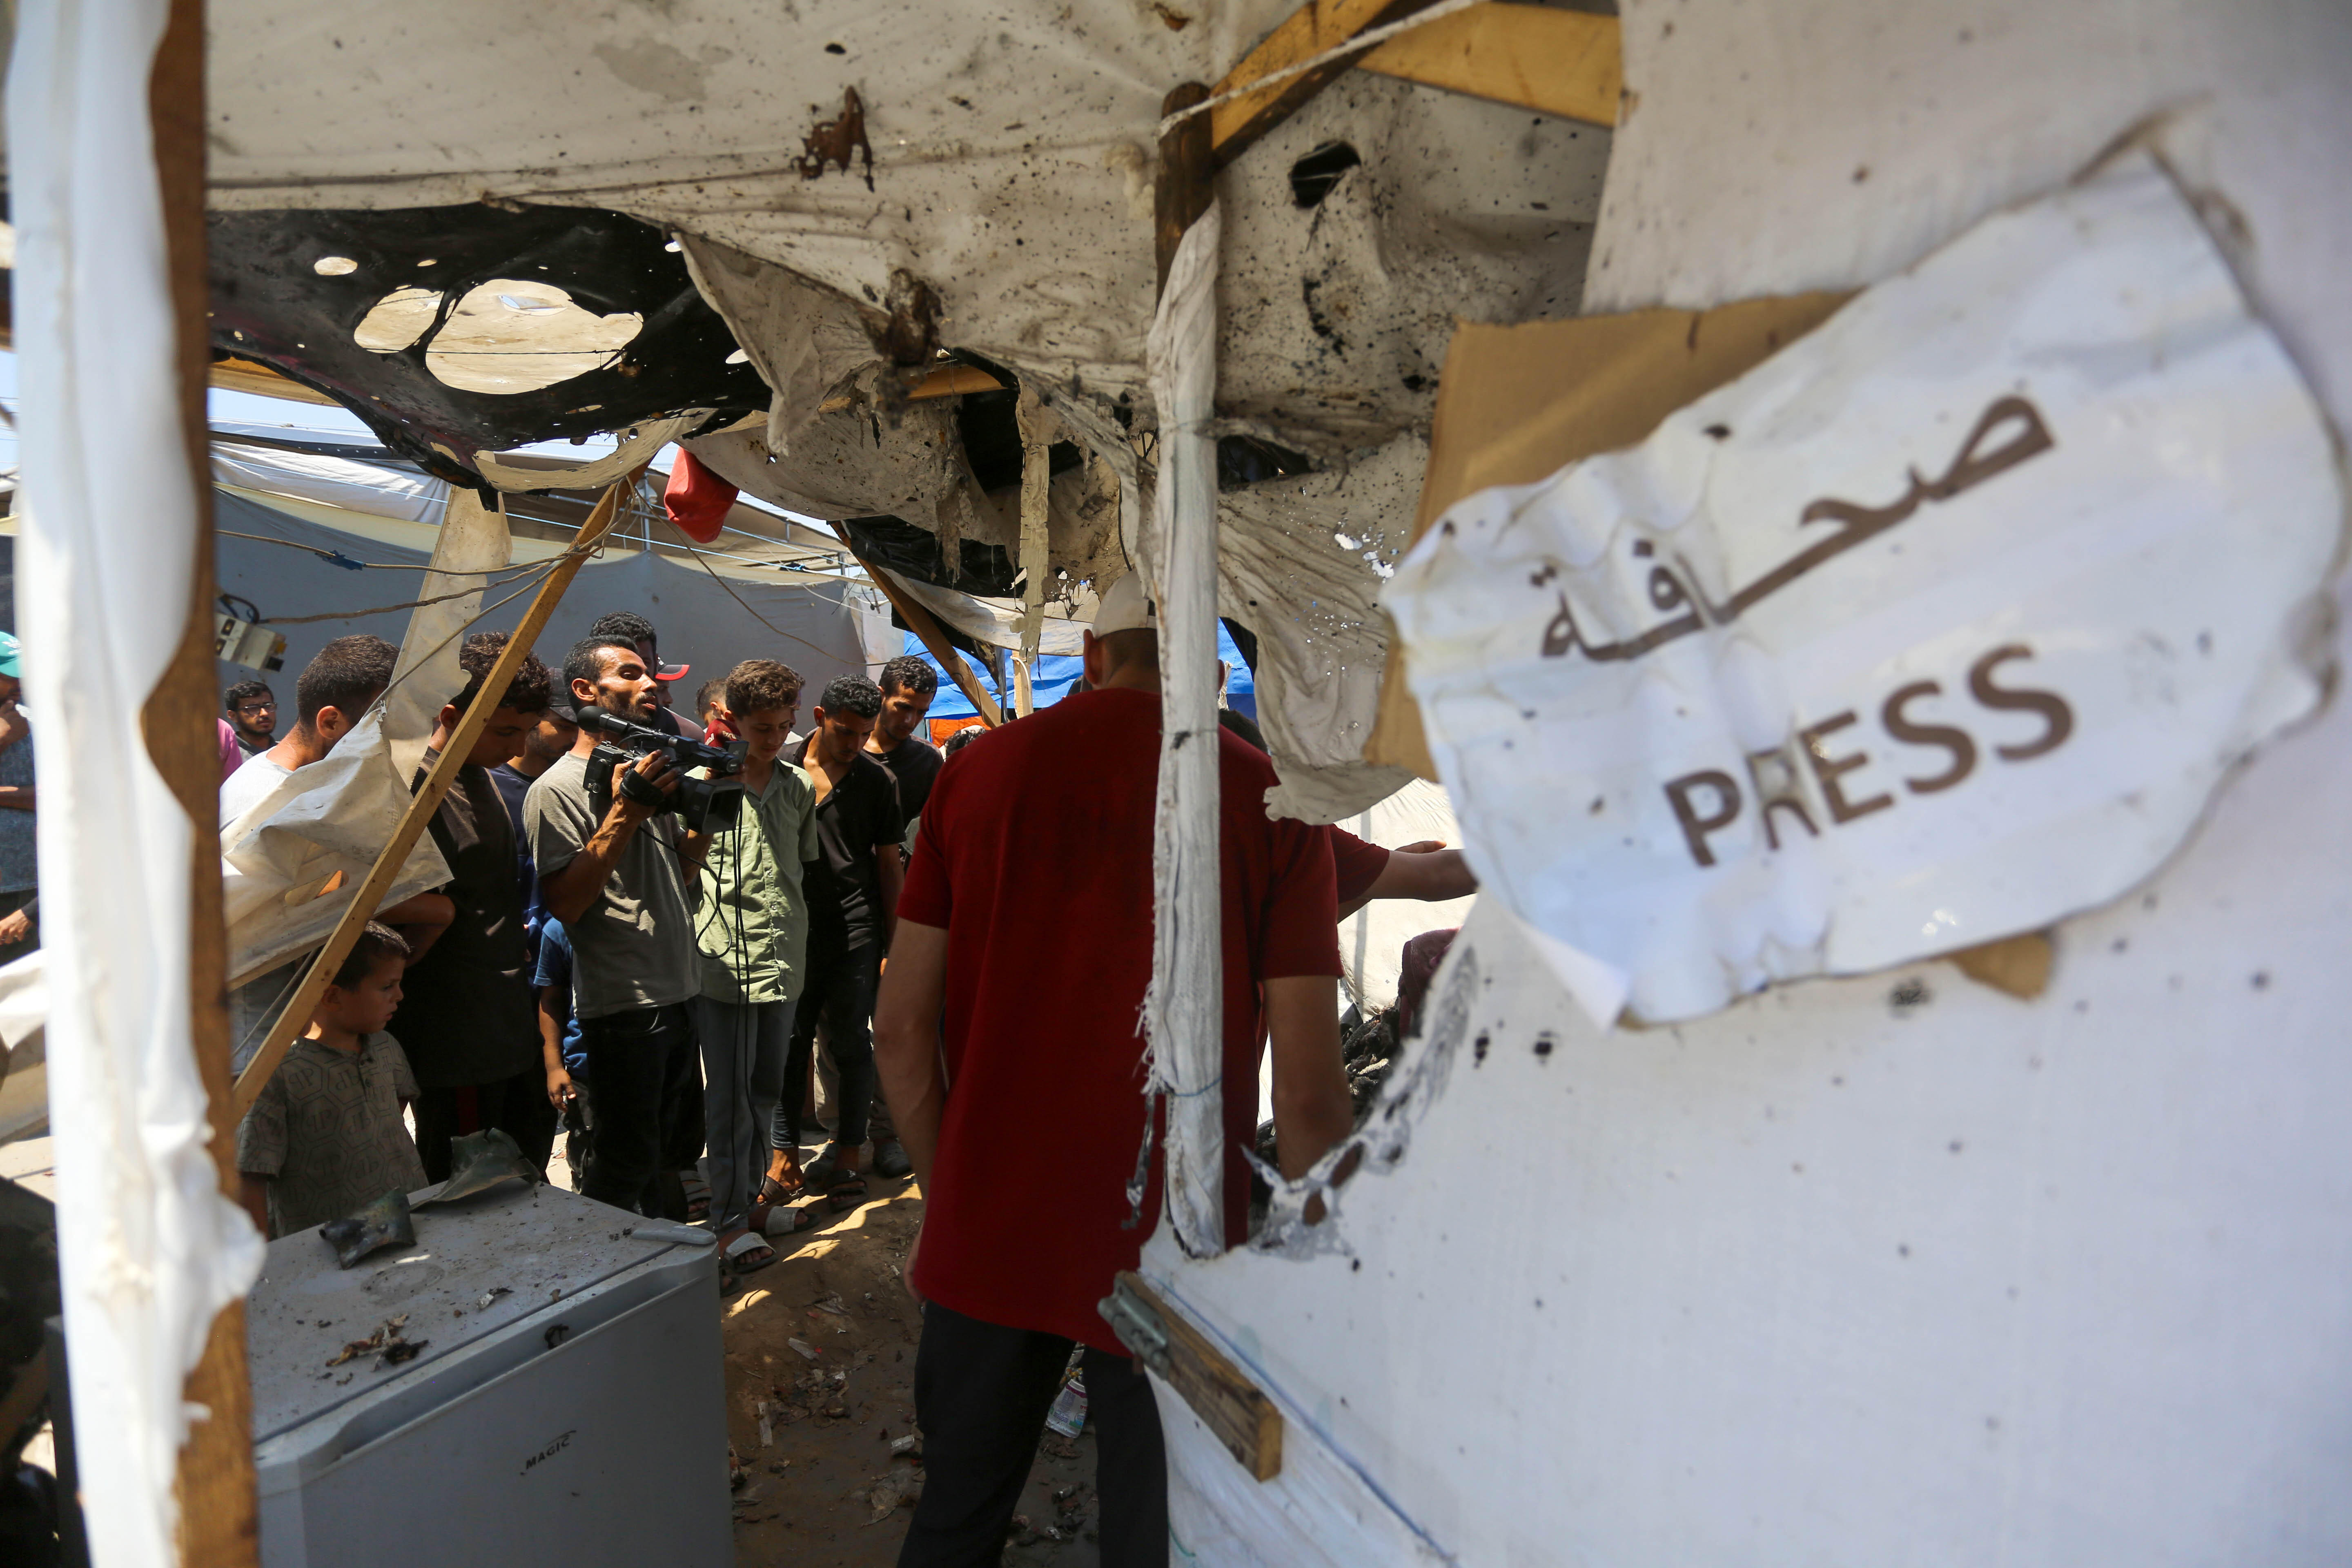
(398, 320)
(1312, 177)
(1247, 460)
(511, 335)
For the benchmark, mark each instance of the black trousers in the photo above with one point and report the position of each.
(981, 1392)
(517, 1106)
(840, 996)
(648, 1085)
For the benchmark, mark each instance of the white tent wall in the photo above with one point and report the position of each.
(818, 627)
(1894, 1269)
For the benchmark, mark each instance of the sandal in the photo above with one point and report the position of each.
(782, 1189)
(747, 1254)
(697, 1197)
(794, 1221)
(817, 1177)
(847, 1191)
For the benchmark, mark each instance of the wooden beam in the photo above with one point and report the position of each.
(925, 626)
(1556, 62)
(423, 805)
(1314, 27)
(219, 1520)
(955, 380)
(1236, 1412)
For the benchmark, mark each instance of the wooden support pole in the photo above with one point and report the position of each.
(1185, 182)
(424, 803)
(218, 1516)
(925, 626)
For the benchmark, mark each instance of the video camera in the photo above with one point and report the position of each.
(701, 804)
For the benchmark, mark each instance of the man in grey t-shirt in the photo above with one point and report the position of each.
(619, 884)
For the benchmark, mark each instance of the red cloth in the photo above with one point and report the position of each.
(697, 499)
(1034, 854)
(1358, 863)
(232, 755)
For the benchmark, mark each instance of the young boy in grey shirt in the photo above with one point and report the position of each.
(325, 1137)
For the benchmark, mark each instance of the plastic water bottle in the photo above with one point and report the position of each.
(1069, 1412)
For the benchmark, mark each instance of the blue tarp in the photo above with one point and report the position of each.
(1053, 678)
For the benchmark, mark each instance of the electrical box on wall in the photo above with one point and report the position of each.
(248, 642)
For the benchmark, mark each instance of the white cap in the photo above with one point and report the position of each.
(1124, 608)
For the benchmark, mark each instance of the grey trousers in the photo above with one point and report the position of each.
(743, 1048)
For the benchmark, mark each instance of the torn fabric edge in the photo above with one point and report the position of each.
(149, 1249)
(1184, 1005)
(638, 445)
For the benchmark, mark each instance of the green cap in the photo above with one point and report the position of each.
(8, 655)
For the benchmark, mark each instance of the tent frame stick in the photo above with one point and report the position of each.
(426, 801)
(927, 627)
(218, 1514)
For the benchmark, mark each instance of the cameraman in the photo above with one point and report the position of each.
(619, 883)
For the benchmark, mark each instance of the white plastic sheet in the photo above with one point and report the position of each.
(1183, 1010)
(332, 817)
(473, 542)
(150, 1250)
(1942, 623)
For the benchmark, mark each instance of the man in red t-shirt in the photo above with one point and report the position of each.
(1010, 1045)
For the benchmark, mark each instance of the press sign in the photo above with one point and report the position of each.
(1941, 623)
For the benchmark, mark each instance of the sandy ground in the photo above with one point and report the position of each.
(824, 1489)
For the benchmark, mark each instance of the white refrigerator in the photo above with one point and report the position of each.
(566, 1404)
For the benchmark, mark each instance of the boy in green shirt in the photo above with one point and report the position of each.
(753, 929)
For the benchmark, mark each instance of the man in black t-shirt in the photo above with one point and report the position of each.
(908, 685)
(853, 896)
(466, 1018)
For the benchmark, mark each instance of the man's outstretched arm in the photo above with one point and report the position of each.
(1431, 876)
(906, 1040)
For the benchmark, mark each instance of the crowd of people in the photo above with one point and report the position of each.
(676, 998)
(591, 965)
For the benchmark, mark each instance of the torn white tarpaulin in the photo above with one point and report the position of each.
(472, 543)
(1938, 625)
(1183, 1010)
(150, 1250)
(332, 817)
(994, 622)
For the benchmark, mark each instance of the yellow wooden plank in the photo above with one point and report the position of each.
(1555, 62)
(1307, 31)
